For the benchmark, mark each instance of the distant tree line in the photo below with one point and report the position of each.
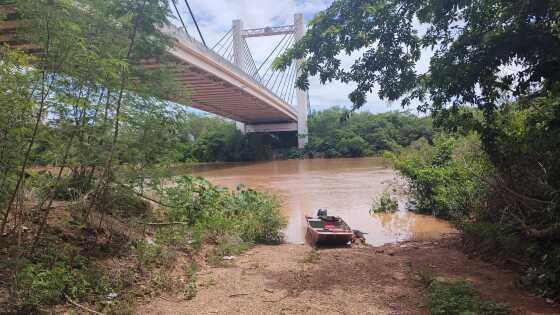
(332, 134)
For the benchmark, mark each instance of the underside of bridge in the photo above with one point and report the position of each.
(217, 84)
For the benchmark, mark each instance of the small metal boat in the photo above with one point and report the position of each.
(327, 230)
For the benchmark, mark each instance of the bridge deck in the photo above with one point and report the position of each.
(214, 84)
(219, 87)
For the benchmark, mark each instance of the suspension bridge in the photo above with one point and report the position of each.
(225, 80)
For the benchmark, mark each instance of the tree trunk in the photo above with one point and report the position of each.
(44, 94)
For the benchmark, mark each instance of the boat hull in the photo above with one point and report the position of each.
(322, 238)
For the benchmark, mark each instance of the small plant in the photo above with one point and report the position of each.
(189, 292)
(228, 246)
(384, 204)
(120, 306)
(211, 212)
(312, 257)
(61, 272)
(126, 204)
(161, 282)
(153, 255)
(72, 187)
(206, 283)
(458, 298)
(190, 270)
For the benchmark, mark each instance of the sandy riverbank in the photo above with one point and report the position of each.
(292, 279)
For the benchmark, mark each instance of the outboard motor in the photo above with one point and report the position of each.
(322, 213)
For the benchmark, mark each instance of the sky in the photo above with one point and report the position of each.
(215, 18)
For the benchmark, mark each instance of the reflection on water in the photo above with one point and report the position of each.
(346, 187)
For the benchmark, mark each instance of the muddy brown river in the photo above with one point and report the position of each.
(346, 187)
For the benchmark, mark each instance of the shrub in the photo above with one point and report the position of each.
(152, 255)
(384, 204)
(446, 179)
(61, 272)
(127, 204)
(459, 298)
(211, 212)
(72, 187)
(227, 246)
(500, 189)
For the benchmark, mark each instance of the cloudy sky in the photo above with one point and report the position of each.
(215, 18)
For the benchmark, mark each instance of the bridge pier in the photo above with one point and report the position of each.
(302, 96)
(237, 28)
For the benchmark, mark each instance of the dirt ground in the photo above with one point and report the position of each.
(293, 279)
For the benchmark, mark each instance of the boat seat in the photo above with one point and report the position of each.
(316, 224)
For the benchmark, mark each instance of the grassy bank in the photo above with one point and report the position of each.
(137, 249)
(502, 194)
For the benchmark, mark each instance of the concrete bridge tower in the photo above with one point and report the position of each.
(237, 29)
(302, 98)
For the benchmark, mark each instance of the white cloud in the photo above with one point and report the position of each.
(215, 18)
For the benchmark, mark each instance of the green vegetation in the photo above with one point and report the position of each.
(458, 298)
(362, 134)
(87, 110)
(445, 177)
(384, 204)
(86, 144)
(58, 274)
(494, 193)
(221, 216)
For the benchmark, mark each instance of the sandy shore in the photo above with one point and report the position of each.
(294, 279)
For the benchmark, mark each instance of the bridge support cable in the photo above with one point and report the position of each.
(228, 53)
(218, 43)
(252, 65)
(274, 73)
(281, 76)
(195, 23)
(285, 46)
(180, 17)
(246, 57)
(284, 82)
(272, 52)
(288, 84)
(224, 49)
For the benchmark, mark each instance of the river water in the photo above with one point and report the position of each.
(346, 187)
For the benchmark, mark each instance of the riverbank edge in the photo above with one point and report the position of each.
(391, 279)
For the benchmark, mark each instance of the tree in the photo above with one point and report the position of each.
(16, 121)
(363, 133)
(90, 76)
(473, 43)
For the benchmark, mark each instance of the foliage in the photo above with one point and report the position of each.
(472, 43)
(60, 272)
(213, 139)
(503, 197)
(384, 204)
(226, 246)
(16, 117)
(72, 187)
(127, 204)
(447, 179)
(213, 212)
(152, 255)
(362, 133)
(460, 298)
